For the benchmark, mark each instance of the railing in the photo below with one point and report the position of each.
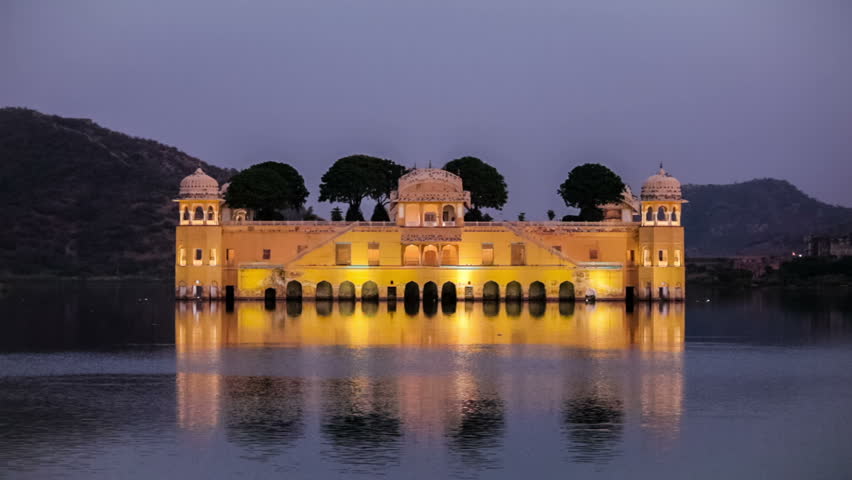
(308, 223)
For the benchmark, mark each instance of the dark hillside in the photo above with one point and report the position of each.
(758, 217)
(83, 200)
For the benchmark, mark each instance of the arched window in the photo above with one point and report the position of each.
(210, 214)
(661, 214)
(448, 215)
(649, 217)
(186, 213)
(674, 214)
(199, 213)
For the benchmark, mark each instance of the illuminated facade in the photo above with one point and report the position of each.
(429, 250)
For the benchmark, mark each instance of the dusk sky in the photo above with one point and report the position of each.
(720, 91)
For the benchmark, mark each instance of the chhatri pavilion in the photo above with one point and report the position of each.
(428, 250)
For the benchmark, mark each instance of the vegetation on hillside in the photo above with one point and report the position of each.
(759, 217)
(83, 200)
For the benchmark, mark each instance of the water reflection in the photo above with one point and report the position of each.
(361, 422)
(372, 400)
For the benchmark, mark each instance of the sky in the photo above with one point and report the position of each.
(719, 91)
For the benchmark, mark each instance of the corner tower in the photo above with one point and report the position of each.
(198, 237)
(662, 272)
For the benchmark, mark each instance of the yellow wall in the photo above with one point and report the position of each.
(251, 275)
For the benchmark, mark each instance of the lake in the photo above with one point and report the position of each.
(116, 380)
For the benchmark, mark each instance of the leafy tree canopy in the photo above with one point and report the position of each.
(356, 177)
(267, 188)
(487, 186)
(589, 186)
(336, 214)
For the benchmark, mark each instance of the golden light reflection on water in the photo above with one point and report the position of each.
(602, 326)
(617, 366)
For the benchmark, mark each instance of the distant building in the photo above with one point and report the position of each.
(829, 246)
(428, 249)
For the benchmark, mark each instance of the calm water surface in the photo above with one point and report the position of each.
(109, 380)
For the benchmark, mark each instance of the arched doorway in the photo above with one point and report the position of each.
(566, 291)
(324, 291)
(449, 255)
(411, 255)
(491, 291)
(448, 292)
(294, 290)
(346, 291)
(369, 291)
(269, 298)
(412, 292)
(430, 292)
(514, 291)
(537, 292)
(430, 255)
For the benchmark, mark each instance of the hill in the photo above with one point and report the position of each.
(758, 217)
(84, 200)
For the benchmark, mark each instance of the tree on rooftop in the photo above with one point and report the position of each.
(352, 179)
(589, 186)
(486, 185)
(267, 188)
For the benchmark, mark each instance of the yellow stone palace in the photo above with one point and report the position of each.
(428, 249)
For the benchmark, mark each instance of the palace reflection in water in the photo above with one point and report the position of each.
(373, 383)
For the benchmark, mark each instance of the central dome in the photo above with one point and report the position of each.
(661, 186)
(199, 185)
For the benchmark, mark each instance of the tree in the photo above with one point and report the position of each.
(487, 186)
(380, 214)
(551, 215)
(589, 186)
(336, 214)
(267, 188)
(522, 216)
(353, 214)
(352, 179)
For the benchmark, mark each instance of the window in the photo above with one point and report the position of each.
(373, 253)
(343, 253)
(519, 254)
(677, 258)
(674, 214)
(646, 257)
(661, 255)
(267, 254)
(429, 218)
(661, 214)
(199, 213)
(186, 214)
(649, 216)
(212, 257)
(211, 215)
(199, 256)
(631, 257)
(662, 258)
(182, 257)
(230, 254)
(593, 254)
(488, 254)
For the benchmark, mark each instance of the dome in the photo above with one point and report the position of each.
(430, 185)
(661, 186)
(199, 185)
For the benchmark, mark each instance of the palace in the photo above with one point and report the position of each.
(427, 249)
